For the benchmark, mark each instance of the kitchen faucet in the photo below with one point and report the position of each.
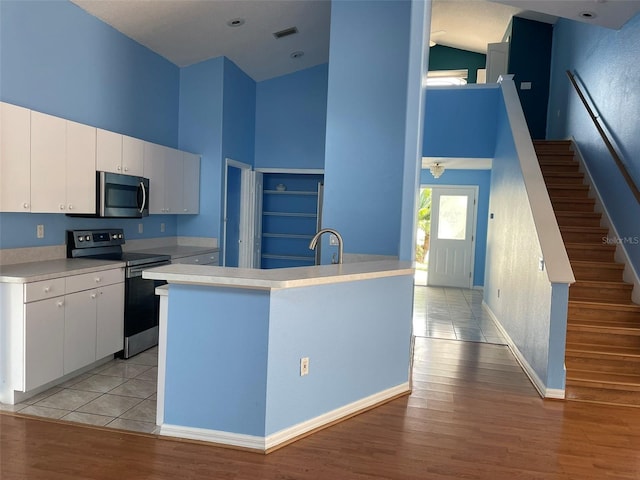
(314, 241)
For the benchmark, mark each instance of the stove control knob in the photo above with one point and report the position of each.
(81, 238)
(120, 235)
(87, 237)
(114, 236)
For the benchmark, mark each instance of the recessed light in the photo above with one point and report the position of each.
(588, 15)
(297, 54)
(235, 22)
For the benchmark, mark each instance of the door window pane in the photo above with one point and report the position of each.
(452, 217)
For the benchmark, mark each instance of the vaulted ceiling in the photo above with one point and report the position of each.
(190, 31)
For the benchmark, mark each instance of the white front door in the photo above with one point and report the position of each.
(453, 215)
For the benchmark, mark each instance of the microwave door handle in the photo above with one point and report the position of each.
(144, 197)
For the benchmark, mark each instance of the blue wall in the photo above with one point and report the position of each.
(607, 62)
(291, 116)
(481, 178)
(530, 61)
(366, 109)
(448, 58)
(59, 60)
(461, 122)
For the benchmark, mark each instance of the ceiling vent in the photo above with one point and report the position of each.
(286, 32)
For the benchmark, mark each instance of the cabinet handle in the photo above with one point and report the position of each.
(93, 295)
(98, 279)
(197, 260)
(126, 169)
(60, 304)
(186, 210)
(47, 289)
(70, 207)
(61, 207)
(25, 205)
(118, 168)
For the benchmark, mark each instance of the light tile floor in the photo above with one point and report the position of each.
(119, 394)
(454, 314)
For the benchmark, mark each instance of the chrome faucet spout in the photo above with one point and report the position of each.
(314, 241)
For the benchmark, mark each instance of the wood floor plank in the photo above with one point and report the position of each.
(480, 419)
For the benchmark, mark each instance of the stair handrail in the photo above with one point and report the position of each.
(605, 138)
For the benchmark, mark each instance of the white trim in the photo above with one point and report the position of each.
(290, 433)
(229, 162)
(630, 274)
(467, 86)
(286, 435)
(308, 171)
(539, 385)
(458, 163)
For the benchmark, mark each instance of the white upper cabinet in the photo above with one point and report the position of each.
(118, 153)
(81, 168)
(48, 164)
(108, 151)
(174, 180)
(15, 158)
(62, 165)
(154, 170)
(132, 156)
(191, 183)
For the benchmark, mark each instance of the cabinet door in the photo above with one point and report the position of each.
(80, 329)
(48, 164)
(191, 183)
(44, 342)
(154, 156)
(15, 158)
(110, 320)
(108, 151)
(132, 156)
(174, 178)
(81, 168)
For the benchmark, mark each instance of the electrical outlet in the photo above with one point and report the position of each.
(498, 293)
(541, 264)
(304, 366)
(333, 240)
(162, 227)
(140, 228)
(40, 231)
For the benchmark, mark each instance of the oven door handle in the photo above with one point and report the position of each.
(136, 271)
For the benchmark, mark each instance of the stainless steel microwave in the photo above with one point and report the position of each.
(124, 196)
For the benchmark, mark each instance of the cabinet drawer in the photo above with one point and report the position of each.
(77, 283)
(45, 289)
(202, 259)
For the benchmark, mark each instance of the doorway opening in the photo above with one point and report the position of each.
(423, 232)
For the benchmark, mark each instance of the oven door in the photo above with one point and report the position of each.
(141, 310)
(124, 196)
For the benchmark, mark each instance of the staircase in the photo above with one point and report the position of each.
(603, 325)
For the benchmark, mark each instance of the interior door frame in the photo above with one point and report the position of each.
(474, 223)
(244, 167)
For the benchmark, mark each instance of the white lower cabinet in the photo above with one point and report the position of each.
(43, 342)
(66, 332)
(110, 320)
(201, 259)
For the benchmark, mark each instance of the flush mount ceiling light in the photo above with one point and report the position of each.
(437, 169)
(588, 15)
(297, 54)
(235, 22)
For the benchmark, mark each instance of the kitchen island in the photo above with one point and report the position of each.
(257, 359)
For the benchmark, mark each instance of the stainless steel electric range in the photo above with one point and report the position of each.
(141, 303)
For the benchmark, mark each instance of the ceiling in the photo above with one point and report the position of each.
(190, 31)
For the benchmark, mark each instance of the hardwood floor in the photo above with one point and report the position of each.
(472, 414)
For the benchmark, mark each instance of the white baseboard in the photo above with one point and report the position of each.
(539, 385)
(270, 442)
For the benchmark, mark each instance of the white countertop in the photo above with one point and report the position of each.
(279, 277)
(48, 269)
(177, 251)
